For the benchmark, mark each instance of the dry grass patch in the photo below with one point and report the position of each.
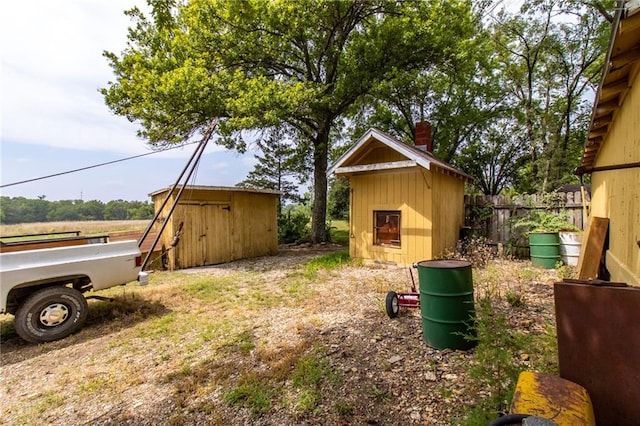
(273, 340)
(86, 228)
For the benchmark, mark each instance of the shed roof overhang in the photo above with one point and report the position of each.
(621, 68)
(414, 158)
(218, 188)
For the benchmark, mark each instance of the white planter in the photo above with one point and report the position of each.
(570, 247)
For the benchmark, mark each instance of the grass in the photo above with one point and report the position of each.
(252, 393)
(339, 232)
(328, 262)
(205, 342)
(308, 373)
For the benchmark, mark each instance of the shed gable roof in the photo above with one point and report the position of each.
(621, 69)
(414, 157)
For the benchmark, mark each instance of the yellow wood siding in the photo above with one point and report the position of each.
(255, 225)
(375, 153)
(219, 226)
(408, 192)
(616, 193)
(448, 212)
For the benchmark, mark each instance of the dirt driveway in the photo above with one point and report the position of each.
(262, 341)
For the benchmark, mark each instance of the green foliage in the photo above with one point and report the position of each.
(566, 271)
(278, 163)
(293, 226)
(539, 220)
(339, 232)
(339, 199)
(329, 261)
(245, 342)
(23, 210)
(497, 362)
(501, 354)
(308, 373)
(256, 65)
(515, 298)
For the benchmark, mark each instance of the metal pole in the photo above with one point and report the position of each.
(164, 203)
(197, 156)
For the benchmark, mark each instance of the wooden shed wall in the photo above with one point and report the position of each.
(406, 191)
(448, 211)
(616, 193)
(220, 226)
(255, 224)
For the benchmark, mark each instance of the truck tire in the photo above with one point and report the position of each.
(51, 314)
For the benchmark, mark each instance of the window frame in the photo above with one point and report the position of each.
(390, 215)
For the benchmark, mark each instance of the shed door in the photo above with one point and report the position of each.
(215, 238)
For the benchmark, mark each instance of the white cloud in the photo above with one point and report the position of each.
(52, 70)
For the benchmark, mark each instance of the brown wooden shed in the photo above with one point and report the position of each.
(212, 225)
(405, 205)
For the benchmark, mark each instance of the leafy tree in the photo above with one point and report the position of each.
(116, 210)
(24, 210)
(10, 211)
(64, 210)
(259, 65)
(91, 210)
(139, 210)
(457, 97)
(494, 158)
(274, 169)
(551, 55)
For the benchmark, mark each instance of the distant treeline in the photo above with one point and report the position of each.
(24, 210)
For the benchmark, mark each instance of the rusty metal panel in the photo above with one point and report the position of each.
(553, 398)
(599, 346)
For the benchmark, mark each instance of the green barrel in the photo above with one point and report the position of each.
(446, 304)
(544, 248)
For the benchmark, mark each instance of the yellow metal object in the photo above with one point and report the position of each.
(552, 398)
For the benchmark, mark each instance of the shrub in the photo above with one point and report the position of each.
(293, 226)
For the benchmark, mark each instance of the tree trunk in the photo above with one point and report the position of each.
(320, 159)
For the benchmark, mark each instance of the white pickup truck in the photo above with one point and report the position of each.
(43, 288)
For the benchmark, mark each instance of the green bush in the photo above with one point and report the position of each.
(293, 226)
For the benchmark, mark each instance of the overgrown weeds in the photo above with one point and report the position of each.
(298, 376)
(477, 250)
(502, 352)
(328, 262)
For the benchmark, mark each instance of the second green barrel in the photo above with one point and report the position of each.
(446, 304)
(545, 249)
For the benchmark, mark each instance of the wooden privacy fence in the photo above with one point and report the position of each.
(493, 216)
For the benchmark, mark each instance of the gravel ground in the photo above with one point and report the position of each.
(388, 375)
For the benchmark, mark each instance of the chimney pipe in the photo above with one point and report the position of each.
(422, 136)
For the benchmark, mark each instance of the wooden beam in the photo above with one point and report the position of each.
(629, 24)
(608, 106)
(601, 121)
(594, 140)
(376, 166)
(614, 88)
(625, 58)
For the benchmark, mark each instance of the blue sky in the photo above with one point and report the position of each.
(53, 118)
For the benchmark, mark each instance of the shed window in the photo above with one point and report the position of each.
(386, 230)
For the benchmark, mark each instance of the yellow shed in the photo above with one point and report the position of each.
(405, 205)
(212, 225)
(612, 151)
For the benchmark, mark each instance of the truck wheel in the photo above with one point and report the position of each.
(51, 314)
